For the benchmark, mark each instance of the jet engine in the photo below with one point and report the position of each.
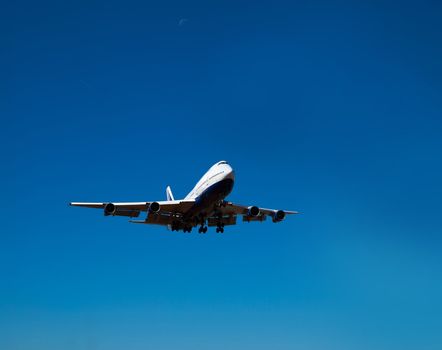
(154, 207)
(278, 215)
(109, 209)
(253, 211)
(112, 209)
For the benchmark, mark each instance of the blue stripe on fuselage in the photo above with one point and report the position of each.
(217, 191)
(206, 200)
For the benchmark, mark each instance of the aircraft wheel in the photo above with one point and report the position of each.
(205, 229)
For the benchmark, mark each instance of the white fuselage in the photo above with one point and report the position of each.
(219, 174)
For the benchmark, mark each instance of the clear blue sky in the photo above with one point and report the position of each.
(330, 108)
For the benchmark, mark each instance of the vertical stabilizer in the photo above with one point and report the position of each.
(169, 194)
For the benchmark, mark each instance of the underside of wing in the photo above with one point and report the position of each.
(132, 209)
(252, 213)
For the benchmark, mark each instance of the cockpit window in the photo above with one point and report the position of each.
(222, 162)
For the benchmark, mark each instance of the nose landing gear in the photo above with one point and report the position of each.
(202, 229)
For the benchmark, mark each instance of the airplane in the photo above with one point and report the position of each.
(204, 206)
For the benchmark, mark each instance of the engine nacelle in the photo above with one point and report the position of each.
(109, 209)
(253, 211)
(154, 207)
(278, 215)
(112, 209)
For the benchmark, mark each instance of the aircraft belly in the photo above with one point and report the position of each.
(210, 196)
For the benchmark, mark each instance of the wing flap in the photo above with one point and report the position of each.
(260, 218)
(156, 219)
(125, 212)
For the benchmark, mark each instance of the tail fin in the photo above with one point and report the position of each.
(169, 194)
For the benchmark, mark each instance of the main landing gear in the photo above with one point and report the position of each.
(220, 228)
(202, 229)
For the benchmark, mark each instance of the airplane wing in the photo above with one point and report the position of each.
(168, 212)
(229, 211)
(164, 209)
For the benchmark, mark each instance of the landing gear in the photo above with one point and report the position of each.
(187, 229)
(220, 228)
(202, 229)
(221, 204)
